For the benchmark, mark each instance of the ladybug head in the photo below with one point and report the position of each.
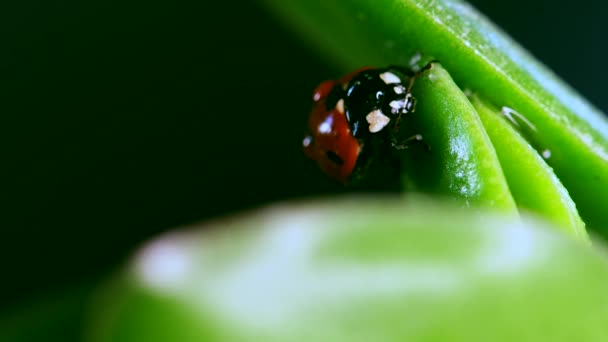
(330, 142)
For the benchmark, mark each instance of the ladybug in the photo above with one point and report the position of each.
(355, 118)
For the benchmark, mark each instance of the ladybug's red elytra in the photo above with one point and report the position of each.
(354, 115)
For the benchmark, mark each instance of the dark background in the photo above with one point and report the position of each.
(122, 119)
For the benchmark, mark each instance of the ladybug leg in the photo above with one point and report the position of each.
(414, 74)
(409, 106)
(428, 66)
(410, 101)
(416, 138)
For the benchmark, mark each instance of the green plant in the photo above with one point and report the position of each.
(482, 60)
(319, 274)
(359, 269)
(394, 269)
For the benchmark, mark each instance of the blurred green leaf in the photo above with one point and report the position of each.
(357, 270)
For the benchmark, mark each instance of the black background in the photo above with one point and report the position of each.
(122, 119)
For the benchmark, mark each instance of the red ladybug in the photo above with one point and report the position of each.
(356, 115)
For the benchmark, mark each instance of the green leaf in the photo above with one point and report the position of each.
(461, 162)
(524, 168)
(479, 57)
(357, 270)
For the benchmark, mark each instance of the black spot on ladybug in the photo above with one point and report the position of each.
(334, 157)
